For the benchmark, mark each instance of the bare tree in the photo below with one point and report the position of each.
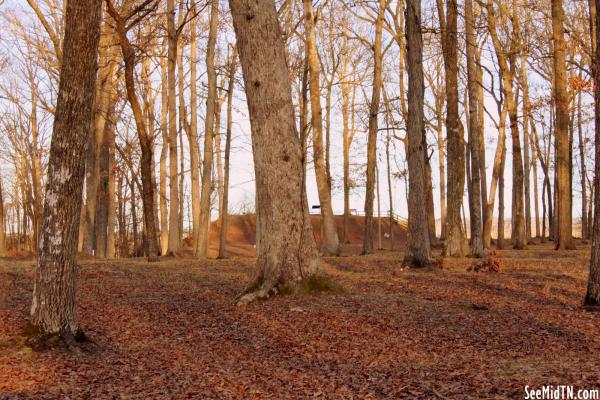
(209, 132)
(592, 297)
(53, 304)
(373, 128)
(455, 237)
(331, 245)
(287, 252)
(225, 212)
(122, 26)
(561, 98)
(418, 235)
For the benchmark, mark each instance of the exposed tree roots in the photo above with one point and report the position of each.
(591, 304)
(262, 289)
(431, 263)
(39, 342)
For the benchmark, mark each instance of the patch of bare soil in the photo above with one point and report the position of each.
(170, 330)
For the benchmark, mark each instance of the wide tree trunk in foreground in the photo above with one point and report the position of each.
(418, 251)
(53, 304)
(592, 297)
(331, 244)
(373, 128)
(287, 252)
(563, 192)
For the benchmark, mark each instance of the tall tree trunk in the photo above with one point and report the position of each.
(373, 128)
(535, 187)
(500, 240)
(564, 201)
(110, 226)
(203, 239)
(2, 223)
(146, 140)
(102, 197)
(331, 245)
(390, 189)
(174, 231)
(526, 145)
(418, 250)
(455, 237)
(507, 65)
(162, 193)
(348, 107)
(592, 297)
(53, 304)
(442, 165)
(583, 171)
(481, 124)
(193, 132)
(218, 154)
(474, 135)
(287, 252)
(225, 205)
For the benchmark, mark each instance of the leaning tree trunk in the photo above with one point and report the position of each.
(474, 136)
(373, 128)
(209, 128)
(563, 193)
(53, 304)
(287, 252)
(418, 250)
(331, 244)
(592, 297)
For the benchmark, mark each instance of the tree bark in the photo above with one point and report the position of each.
(209, 128)
(287, 252)
(162, 193)
(564, 202)
(373, 128)
(146, 140)
(53, 304)
(583, 171)
(225, 205)
(474, 135)
(2, 223)
(174, 231)
(193, 132)
(455, 237)
(592, 297)
(330, 240)
(418, 250)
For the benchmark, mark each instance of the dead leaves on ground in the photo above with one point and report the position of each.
(170, 330)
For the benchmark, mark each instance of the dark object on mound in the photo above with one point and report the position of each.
(492, 263)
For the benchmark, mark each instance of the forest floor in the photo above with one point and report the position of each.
(170, 330)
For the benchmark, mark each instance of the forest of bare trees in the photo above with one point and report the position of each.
(127, 130)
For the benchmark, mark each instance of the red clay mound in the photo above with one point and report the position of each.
(241, 234)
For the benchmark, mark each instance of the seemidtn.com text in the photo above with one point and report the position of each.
(561, 392)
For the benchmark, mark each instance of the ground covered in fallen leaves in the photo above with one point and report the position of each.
(170, 330)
